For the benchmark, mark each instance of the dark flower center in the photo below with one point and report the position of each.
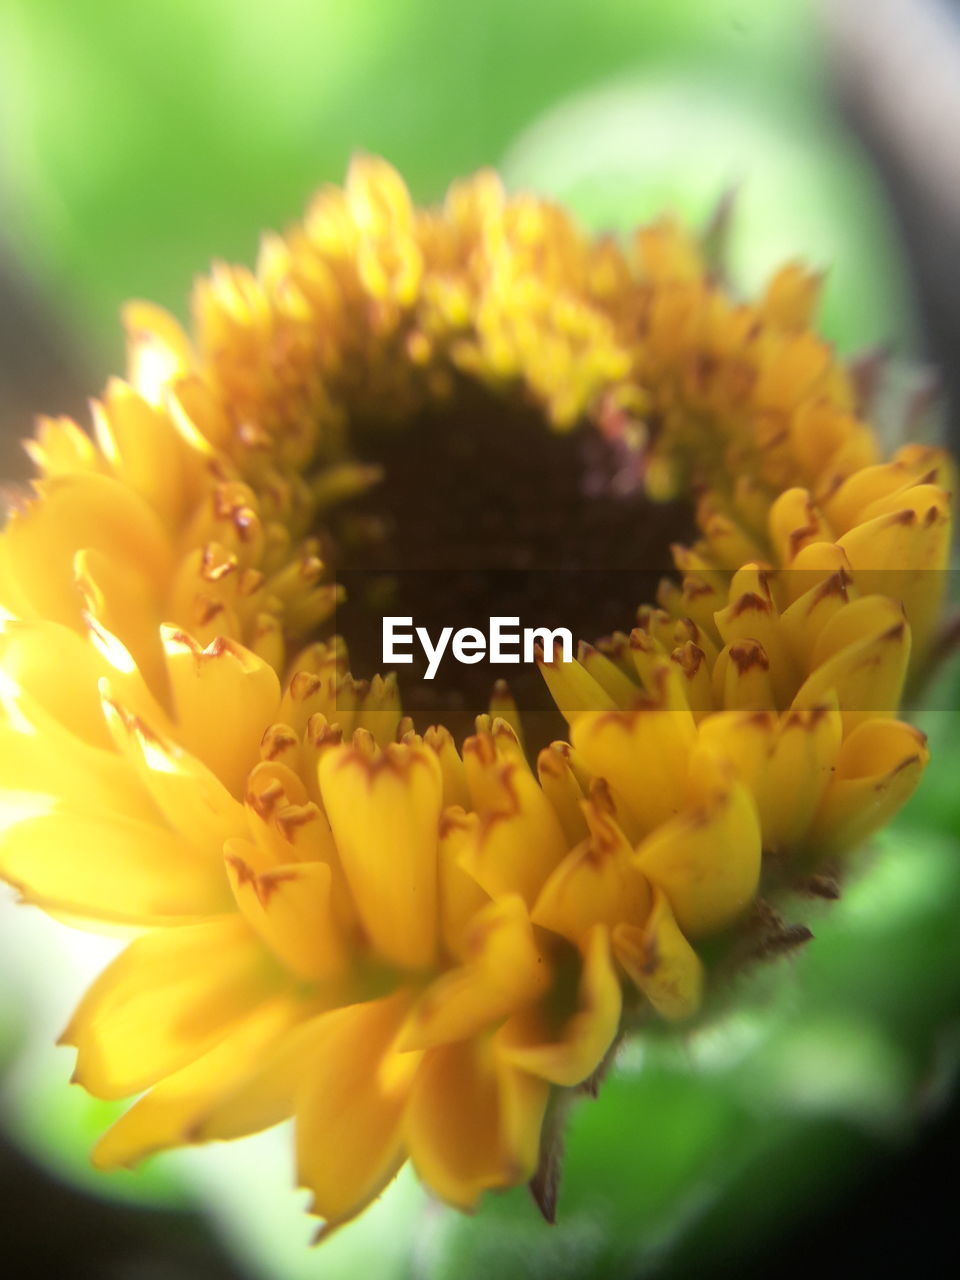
(485, 510)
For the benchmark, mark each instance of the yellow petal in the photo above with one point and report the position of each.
(784, 761)
(802, 622)
(730, 545)
(826, 437)
(188, 795)
(861, 619)
(861, 657)
(143, 447)
(265, 1094)
(172, 1112)
(473, 1122)
(290, 908)
(39, 756)
(903, 551)
(562, 789)
(197, 412)
(157, 349)
(795, 522)
(572, 688)
(384, 810)
(661, 962)
(523, 1103)
(662, 682)
(567, 1049)
(791, 368)
(225, 697)
(440, 740)
(610, 677)
(56, 769)
(349, 1107)
(503, 970)
(667, 253)
(643, 754)
(59, 671)
(503, 706)
(743, 740)
(595, 884)
(519, 840)
(813, 564)
(123, 600)
(80, 512)
(791, 296)
(743, 678)
(695, 668)
(798, 770)
(878, 769)
(105, 867)
(750, 626)
(169, 998)
(460, 897)
(846, 505)
(287, 825)
(60, 447)
(697, 598)
(707, 861)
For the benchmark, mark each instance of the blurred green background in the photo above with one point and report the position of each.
(138, 142)
(141, 141)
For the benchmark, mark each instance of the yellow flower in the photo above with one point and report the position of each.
(409, 940)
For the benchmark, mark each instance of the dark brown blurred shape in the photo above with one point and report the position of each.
(41, 369)
(51, 1232)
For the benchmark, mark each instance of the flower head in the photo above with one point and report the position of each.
(411, 940)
